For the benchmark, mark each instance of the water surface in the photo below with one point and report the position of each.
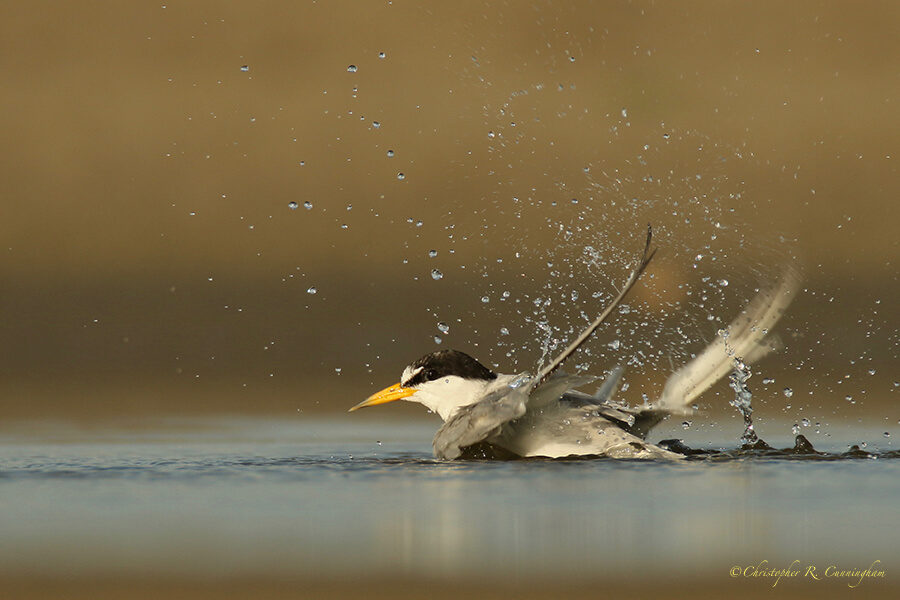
(316, 497)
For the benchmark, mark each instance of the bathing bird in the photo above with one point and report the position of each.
(503, 416)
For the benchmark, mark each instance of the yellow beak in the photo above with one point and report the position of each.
(388, 394)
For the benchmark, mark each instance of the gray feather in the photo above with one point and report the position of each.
(477, 422)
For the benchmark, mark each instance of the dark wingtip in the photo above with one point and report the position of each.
(649, 252)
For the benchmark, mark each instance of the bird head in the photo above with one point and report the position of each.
(443, 381)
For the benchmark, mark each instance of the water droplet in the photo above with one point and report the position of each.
(887, 434)
(351, 69)
(443, 327)
(804, 422)
(438, 340)
(432, 253)
(768, 380)
(686, 425)
(723, 283)
(504, 331)
(390, 153)
(624, 113)
(795, 429)
(436, 274)
(519, 381)
(245, 68)
(337, 370)
(376, 124)
(307, 205)
(485, 299)
(871, 371)
(788, 392)
(293, 205)
(401, 176)
(311, 290)
(380, 55)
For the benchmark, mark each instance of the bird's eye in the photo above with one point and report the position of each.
(431, 374)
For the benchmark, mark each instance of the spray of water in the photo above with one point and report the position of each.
(743, 399)
(557, 228)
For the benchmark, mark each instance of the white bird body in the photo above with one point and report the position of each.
(572, 426)
(487, 414)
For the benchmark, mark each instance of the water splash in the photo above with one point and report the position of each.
(802, 450)
(743, 398)
(547, 345)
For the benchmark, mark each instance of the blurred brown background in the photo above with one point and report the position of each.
(150, 260)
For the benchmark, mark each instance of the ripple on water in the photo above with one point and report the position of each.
(299, 467)
(304, 499)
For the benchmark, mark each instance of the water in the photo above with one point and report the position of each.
(743, 399)
(308, 497)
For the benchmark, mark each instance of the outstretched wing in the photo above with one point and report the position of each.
(747, 340)
(545, 373)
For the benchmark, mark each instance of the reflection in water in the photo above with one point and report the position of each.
(260, 497)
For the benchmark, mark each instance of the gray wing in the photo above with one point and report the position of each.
(550, 369)
(573, 428)
(602, 400)
(637, 421)
(747, 340)
(477, 422)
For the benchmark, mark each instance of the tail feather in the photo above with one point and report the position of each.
(746, 339)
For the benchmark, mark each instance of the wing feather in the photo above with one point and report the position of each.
(477, 422)
(547, 371)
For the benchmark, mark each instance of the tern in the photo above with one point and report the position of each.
(493, 415)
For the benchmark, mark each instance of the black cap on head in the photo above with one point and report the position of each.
(443, 363)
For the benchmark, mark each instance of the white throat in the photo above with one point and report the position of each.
(448, 394)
